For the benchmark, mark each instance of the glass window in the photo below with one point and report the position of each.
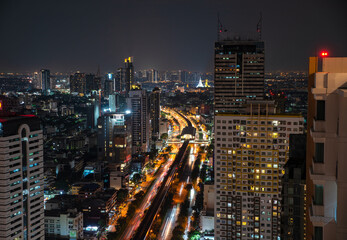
(318, 194)
(319, 153)
(320, 110)
(318, 233)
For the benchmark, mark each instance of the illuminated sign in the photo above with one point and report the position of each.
(0, 104)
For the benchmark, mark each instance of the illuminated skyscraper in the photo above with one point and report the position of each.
(138, 105)
(125, 76)
(239, 73)
(21, 178)
(45, 80)
(155, 111)
(327, 148)
(250, 152)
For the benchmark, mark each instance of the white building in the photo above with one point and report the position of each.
(327, 149)
(21, 178)
(250, 151)
(68, 224)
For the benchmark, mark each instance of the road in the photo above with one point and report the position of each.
(149, 217)
(151, 193)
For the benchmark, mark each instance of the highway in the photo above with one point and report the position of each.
(153, 209)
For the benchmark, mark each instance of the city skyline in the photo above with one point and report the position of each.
(160, 35)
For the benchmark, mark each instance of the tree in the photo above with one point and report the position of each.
(122, 195)
(164, 136)
(136, 178)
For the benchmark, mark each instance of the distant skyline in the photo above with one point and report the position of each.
(67, 36)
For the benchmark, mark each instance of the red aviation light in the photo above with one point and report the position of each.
(324, 54)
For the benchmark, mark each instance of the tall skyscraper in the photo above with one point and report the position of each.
(125, 76)
(152, 76)
(21, 178)
(91, 83)
(239, 73)
(109, 125)
(155, 111)
(78, 83)
(327, 148)
(138, 105)
(45, 80)
(250, 151)
(293, 207)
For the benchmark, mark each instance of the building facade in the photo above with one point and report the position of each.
(21, 178)
(138, 105)
(45, 80)
(78, 83)
(293, 216)
(327, 149)
(250, 152)
(155, 111)
(239, 73)
(64, 224)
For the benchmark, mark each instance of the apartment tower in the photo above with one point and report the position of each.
(250, 152)
(21, 178)
(239, 72)
(326, 156)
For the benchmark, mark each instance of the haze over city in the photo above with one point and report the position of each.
(67, 36)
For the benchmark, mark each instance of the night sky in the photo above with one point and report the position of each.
(70, 35)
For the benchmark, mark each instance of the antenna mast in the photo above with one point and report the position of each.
(259, 25)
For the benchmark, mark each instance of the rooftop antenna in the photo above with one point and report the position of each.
(259, 25)
(219, 27)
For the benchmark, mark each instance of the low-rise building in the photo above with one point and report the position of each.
(63, 224)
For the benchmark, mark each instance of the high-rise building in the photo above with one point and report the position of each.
(138, 105)
(125, 76)
(21, 178)
(293, 206)
(250, 151)
(114, 141)
(152, 76)
(327, 148)
(45, 80)
(239, 73)
(78, 83)
(106, 128)
(155, 111)
(91, 83)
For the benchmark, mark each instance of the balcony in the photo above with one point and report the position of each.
(318, 125)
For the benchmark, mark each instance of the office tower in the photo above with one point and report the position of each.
(250, 151)
(97, 80)
(45, 80)
(36, 81)
(155, 111)
(239, 73)
(327, 148)
(91, 84)
(110, 125)
(78, 83)
(108, 87)
(21, 178)
(293, 216)
(152, 76)
(125, 76)
(114, 141)
(138, 105)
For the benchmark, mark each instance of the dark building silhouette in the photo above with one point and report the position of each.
(155, 111)
(78, 83)
(293, 220)
(45, 80)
